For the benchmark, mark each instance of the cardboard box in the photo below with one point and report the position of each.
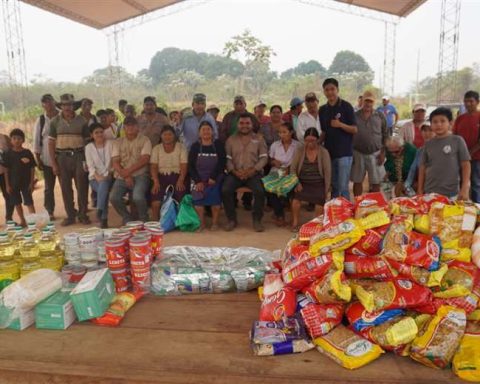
(93, 294)
(55, 312)
(25, 320)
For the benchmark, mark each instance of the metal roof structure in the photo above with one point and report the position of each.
(105, 13)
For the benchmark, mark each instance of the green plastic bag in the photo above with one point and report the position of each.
(279, 185)
(187, 218)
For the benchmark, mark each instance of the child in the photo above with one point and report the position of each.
(19, 175)
(444, 157)
(98, 155)
(412, 179)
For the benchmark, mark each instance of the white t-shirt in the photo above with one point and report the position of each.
(305, 121)
(277, 152)
(99, 160)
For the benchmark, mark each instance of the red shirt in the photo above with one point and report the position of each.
(468, 127)
(418, 138)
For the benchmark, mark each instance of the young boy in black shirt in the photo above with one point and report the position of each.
(19, 176)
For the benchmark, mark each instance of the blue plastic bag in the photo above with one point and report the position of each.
(168, 213)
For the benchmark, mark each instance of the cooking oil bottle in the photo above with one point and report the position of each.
(11, 229)
(46, 244)
(7, 249)
(29, 249)
(32, 228)
(55, 234)
(17, 239)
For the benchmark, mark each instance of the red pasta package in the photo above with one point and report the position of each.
(295, 254)
(278, 305)
(405, 205)
(468, 303)
(311, 269)
(370, 244)
(332, 288)
(320, 319)
(419, 275)
(337, 211)
(308, 230)
(369, 203)
(426, 201)
(368, 267)
(460, 280)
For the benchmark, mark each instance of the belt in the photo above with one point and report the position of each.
(69, 152)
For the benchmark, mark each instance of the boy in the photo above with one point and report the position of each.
(19, 176)
(444, 157)
(412, 180)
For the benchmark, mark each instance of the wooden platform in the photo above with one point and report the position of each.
(189, 339)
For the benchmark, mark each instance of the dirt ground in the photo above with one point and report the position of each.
(273, 237)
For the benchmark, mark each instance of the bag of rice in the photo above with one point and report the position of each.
(347, 348)
(320, 319)
(332, 288)
(359, 318)
(466, 362)
(398, 293)
(368, 267)
(369, 203)
(336, 238)
(439, 339)
(336, 211)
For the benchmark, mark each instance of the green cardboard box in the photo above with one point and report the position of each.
(55, 312)
(93, 294)
(25, 320)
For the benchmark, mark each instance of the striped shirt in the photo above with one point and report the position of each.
(68, 134)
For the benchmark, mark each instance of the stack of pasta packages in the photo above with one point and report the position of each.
(375, 276)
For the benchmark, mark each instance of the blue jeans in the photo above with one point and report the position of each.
(139, 190)
(341, 168)
(102, 189)
(475, 181)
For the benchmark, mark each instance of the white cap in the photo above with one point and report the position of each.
(418, 107)
(385, 97)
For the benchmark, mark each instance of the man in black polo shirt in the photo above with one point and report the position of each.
(337, 119)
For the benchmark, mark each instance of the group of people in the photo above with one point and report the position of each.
(133, 161)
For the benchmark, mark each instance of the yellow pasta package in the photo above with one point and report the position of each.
(347, 348)
(439, 339)
(466, 362)
(375, 220)
(451, 250)
(474, 316)
(422, 224)
(336, 238)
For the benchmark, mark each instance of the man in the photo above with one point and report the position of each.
(390, 113)
(296, 108)
(411, 130)
(467, 126)
(130, 111)
(247, 155)
(189, 127)
(86, 111)
(359, 103)
(5, 146)
(337, 120)
(230, 120)
(122, 105)
(67, 136)
(214, 111)
(308, 118)
(259, 111)
(130, 159)
(41, 132)
(369, 146)
(151, 122)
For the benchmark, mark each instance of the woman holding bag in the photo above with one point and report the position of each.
(206, 167)
(168, 166)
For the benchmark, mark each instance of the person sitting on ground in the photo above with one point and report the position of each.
(269, 131)
(20, 174)
(168, 167)
(400, 157)
(412, 178)
(281, 155)
(246, 157)
(98, 156)
(313, 168)
(130, 158)
(445, 166)
(206, 167)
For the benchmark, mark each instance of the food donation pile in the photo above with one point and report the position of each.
(372, 277)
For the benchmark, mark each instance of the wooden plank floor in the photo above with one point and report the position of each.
(189, 339)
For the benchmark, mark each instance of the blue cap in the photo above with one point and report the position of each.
(295, 101)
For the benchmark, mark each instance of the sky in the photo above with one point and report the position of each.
(63, 50)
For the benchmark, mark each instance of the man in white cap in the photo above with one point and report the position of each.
(309, 118)
(390, 113)
(411, 130)
(259, 111)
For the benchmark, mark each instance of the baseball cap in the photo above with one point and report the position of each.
(211, 107)
(311, 96)
(385, 97)
(199, 98)
(368, 95)
(260, 103)
(418, 107)
(239, 98)
(296, 101)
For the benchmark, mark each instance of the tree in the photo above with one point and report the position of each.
(348, 62)
(257, 59)
(307, 68)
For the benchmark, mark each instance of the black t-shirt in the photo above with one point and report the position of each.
(338, 142)
(19, 165)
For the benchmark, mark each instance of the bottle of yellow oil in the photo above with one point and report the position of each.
(55, 234)
(46, 244)
(7, 249)
(32, 228)
(29, 250)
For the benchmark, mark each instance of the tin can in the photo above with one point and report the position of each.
(121, 279)
(134, 226)
(116, 253)
(156, 241)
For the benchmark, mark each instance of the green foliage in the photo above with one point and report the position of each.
(308, 68)
(250, 47)
(348, 62)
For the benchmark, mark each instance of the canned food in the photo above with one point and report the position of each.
(156, 241)
(116, 253)
(134, 226)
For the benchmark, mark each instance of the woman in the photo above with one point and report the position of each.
(206, 165)
(168, 167)
(269, 131)
(400, 157)
(98, 155)
(312, 166)
(281, 154)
